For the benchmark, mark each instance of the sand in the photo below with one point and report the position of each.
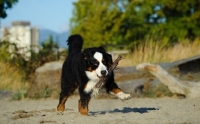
(102, 111)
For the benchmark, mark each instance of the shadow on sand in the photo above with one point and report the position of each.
(125, 110)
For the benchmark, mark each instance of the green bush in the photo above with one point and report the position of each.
(9, 52)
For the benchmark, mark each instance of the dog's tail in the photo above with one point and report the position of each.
(75, 42)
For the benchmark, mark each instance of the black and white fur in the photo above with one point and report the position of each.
(82, 70)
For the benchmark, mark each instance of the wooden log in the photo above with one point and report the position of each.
(175, 85)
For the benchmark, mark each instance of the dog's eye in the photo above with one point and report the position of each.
(95, 62)
(103, 61)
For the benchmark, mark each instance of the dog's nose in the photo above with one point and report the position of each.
(103, 72)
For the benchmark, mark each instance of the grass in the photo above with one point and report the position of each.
(157, 91)
(158, 52)
(11, 78)
(19, 94)
(154, 52)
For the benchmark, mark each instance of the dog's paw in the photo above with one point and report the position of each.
(123, 96)
(60, 113)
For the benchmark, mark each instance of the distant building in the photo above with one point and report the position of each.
(25, 36)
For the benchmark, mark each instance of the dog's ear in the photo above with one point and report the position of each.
(101, 48)
(110, 61)
(84, 55)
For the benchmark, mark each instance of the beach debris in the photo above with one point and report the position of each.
(188, 88)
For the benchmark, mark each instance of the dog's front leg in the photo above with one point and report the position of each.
(120, 94)
(83, 103)
(113, 89)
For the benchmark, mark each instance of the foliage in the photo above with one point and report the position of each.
(4, 5)
(44, 94)
(11, 77)
(130, 22)
(20, 94)
(18, 69)
(161, 52)
(159, 90)
(48, 52)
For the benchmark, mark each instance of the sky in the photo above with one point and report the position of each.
(44, 14)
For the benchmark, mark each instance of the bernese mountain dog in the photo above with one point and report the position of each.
(82, 70)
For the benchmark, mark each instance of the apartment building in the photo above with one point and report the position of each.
(25, 36)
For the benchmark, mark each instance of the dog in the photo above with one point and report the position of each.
(82, 70)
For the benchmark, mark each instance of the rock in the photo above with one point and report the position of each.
(5, 94)
(47, 77)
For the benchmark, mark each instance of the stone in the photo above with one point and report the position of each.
(47, 77)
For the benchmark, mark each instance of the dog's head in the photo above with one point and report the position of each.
(97, 62)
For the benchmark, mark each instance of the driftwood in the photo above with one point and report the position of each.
(175, 85)
(102, 80)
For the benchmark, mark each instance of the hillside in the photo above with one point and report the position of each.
(61, 37)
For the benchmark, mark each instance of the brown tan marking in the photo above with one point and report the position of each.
(61, 106)
(85, 56)
(89, 69)
(83, 109)
(116, 91)
(85, 86)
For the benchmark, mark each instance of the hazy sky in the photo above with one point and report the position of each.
(48, 14)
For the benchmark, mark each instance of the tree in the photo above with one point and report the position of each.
(49, 51)
(94, 20)
(102, 22)
(176, 20)
(4, 5)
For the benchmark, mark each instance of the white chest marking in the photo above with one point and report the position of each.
(93, 79)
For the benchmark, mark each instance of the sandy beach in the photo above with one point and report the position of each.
(102, 111)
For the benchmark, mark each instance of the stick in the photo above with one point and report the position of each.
(112, 67)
